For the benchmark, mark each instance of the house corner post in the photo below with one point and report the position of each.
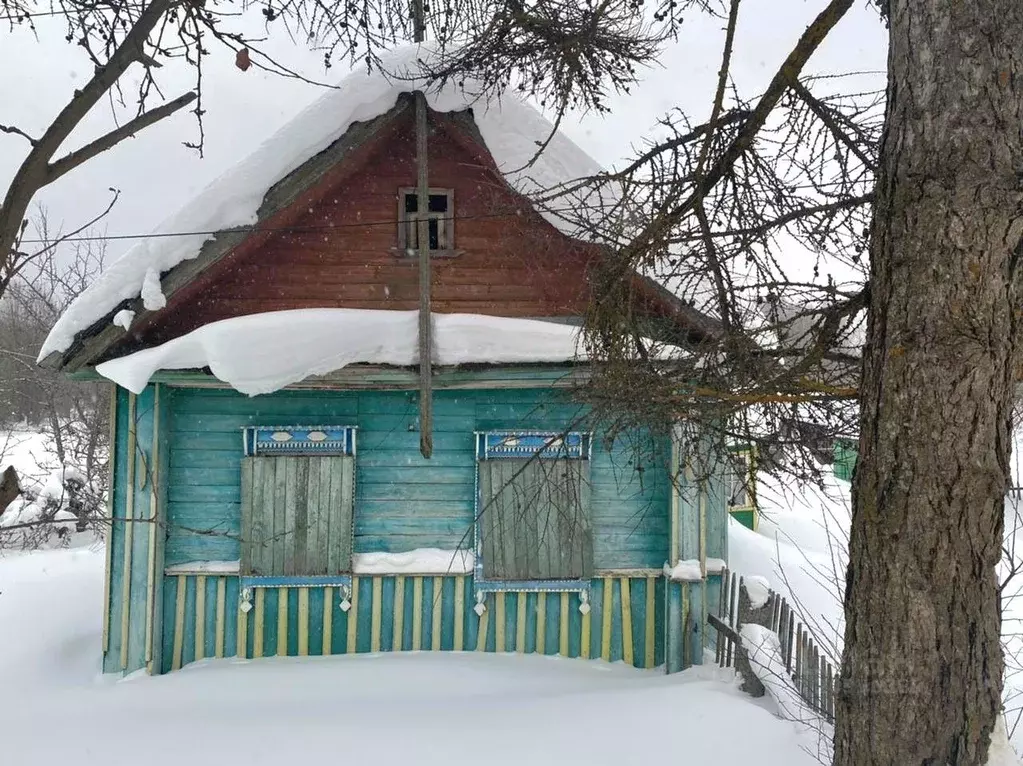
(137, 536)
(157, 530)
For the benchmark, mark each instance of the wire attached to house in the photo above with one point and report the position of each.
(259, 229)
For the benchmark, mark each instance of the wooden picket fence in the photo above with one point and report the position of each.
(814, 677)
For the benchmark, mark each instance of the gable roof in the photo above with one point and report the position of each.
(258, 191)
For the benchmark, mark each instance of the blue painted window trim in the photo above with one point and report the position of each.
(495, 445)
(298, 440)
(530, 586)
(294, 581)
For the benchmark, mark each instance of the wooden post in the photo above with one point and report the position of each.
(747, 614)
(423, 235)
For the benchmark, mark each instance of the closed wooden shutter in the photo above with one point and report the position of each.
(536, 519)
(297, 515)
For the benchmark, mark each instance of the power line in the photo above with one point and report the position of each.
(259, 229)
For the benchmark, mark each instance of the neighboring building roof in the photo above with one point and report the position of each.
(268, 182)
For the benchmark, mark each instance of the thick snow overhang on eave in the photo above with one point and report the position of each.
(262, 353)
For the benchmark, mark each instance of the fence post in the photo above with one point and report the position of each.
(762, 616)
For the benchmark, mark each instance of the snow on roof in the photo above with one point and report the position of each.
(260, 353)
(511, 129)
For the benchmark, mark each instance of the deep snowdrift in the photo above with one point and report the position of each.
(423, 709)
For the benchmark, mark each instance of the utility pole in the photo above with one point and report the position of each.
(423, 236)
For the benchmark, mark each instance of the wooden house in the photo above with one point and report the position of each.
(269, 495)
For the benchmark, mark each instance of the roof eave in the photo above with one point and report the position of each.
(91, 343)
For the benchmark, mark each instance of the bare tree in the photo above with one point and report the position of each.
(72, 415)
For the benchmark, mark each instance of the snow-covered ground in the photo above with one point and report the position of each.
(420, 708)
(801, 548)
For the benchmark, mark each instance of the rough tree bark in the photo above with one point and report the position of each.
(922, 668)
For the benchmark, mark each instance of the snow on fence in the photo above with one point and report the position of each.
(812, 675)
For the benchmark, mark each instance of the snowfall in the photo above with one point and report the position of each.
(411, 708)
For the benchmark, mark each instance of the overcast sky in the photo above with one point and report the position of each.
(156, 173)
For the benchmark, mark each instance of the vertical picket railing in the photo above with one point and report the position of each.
(811, 672)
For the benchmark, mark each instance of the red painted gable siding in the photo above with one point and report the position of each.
(510, 262)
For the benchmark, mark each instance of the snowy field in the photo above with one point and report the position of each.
(504, 708)
(405, 709)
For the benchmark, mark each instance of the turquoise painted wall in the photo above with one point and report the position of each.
(404, 501)
(177, 454)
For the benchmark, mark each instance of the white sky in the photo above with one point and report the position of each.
(156, 173)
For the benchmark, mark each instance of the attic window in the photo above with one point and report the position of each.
(440, 216)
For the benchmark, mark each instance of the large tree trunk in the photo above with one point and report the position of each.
(922, 666)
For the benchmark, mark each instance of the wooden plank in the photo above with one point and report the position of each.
(733, 615)
(282, 622)
(481, 633)
(605, 635)
(499, 618)
(438, 613)
(218, 639)
(257, 623)
(520, 622)
(563, 625)
(245, 509)
(542, 508)
(269, 517)
(327, 646)
(459, 613)
(179, 623)
(242, 635)
(154, 578)
(260, 559)
(290, 465)
(315, 550)
(541, 623)
(200, 617)
(348, 509)
(326, 516)
(584, 637)
(649, 614)
(129, 516)
(112, 458)
(375, 615)
(398, 623)
(280, 505)
(351, 644)
(627, 645)
(417, 613)
(302, 516)
(303, 622)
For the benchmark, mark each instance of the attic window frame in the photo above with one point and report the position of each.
(406, 218)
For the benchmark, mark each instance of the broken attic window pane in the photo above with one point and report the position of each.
(440, 221)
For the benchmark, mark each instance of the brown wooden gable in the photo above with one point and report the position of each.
(342, 249)
(335, 244)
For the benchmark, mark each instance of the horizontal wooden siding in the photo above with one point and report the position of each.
(403, 501)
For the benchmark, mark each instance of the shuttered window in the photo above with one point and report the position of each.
(534, 520)
(297, 506)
